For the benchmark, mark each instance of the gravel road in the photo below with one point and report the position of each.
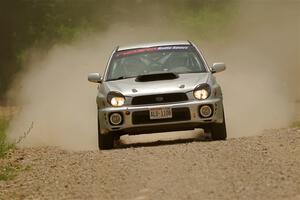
(260, 167)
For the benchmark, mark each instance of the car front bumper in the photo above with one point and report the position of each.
(136, 120)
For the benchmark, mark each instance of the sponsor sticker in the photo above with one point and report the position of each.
(152, 49)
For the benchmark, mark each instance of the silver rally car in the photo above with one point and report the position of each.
(158, 87)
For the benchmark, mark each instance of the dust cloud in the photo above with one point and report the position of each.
(262, 82)
(260, 85)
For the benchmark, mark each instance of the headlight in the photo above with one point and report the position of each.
(115, 99)
(202, 91)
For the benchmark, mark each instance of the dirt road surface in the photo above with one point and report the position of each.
(260, 167)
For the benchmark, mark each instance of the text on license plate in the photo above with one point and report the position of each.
(160, 113)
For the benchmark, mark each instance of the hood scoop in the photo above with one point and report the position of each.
(156, 77)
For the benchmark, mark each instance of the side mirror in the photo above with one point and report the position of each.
(218, 67)
(95, 77)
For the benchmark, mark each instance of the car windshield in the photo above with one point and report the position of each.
(154, 60)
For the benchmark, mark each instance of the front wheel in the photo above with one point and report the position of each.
(218, 130)
(105, 141)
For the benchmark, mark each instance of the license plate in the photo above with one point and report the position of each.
(160, 113)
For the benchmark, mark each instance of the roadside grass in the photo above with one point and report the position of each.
(7, 171)
(296, 124)
(5, 146)
(8, 168)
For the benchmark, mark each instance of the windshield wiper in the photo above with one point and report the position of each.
(119, 78)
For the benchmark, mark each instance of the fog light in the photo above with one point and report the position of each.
(115, 118)
(206, 111)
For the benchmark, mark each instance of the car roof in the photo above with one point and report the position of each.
(155, 44)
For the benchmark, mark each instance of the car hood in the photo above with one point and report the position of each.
(130, 87)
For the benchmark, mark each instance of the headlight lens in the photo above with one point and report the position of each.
(201, 94)
(115, 99)
(202, 91)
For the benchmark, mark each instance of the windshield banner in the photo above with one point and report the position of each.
(151, 49)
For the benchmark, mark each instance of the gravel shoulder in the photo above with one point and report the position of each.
(266, 166)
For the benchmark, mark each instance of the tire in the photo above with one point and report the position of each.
(218, 130)
(105, 141)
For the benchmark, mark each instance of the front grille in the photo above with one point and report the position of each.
(143, 117)
(159, 98)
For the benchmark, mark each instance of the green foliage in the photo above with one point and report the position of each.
(207, 18)
(296, 124)
(4, 144)
(45, 23)
(41, 24)
(11, 169)
(8, 172)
